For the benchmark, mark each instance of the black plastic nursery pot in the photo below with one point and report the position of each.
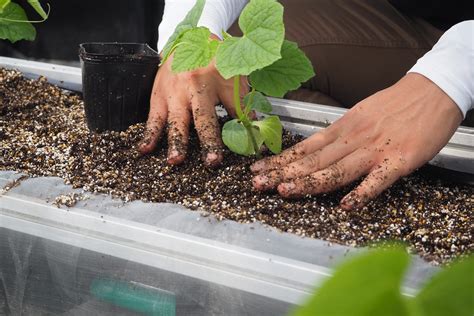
(117, 80)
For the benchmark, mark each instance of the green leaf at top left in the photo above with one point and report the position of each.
(15, 31)
(3, 4)
(195, 50)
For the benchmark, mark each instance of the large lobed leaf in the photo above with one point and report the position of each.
(261, 22)
(15, 31)
(195, 50)
(285, 74)
(364, 286)
(191, 20)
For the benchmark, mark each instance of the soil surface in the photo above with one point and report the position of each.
(43, 132)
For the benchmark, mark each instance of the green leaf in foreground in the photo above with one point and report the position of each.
(15, 31)
(3, 4)
(195, 50)
(285, 74)
(450, 292)
(258, 102)
(261, 22)
(191, 20)
(363, 286)
(35, 4)
(271, 130)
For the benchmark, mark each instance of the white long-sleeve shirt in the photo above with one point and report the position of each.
(450, 64)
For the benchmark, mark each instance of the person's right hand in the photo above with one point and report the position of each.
(178, 97)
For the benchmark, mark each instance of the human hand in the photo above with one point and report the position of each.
(386, 136)
(178, 97)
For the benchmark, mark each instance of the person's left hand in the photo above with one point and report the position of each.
(386, 136)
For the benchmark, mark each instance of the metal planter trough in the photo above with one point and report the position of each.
(159, 258)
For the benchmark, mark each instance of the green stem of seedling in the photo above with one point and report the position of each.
(238, 108)
(21, 21)
(243, 117)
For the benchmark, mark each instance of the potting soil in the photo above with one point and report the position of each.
(43, 133)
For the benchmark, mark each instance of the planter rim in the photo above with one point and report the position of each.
(132, 52)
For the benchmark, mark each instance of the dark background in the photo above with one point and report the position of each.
(72, 22)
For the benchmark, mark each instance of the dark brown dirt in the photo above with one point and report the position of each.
(43, 132)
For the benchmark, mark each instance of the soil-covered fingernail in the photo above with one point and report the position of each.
(351, 202)
(287, 189)
(257, 167)
(175, 157)
(260, 182)
(144, 146)
(213, 159)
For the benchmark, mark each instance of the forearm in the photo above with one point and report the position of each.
(450, 65)
(217, 15)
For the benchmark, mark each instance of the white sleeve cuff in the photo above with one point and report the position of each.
(218, 15)
(450, 65)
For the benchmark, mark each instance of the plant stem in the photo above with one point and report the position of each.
(21, 21)
(238, 108)
(244, 117)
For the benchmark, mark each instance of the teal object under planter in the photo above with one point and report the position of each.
(135, 297)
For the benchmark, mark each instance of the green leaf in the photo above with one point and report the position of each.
(285, 74)
(38, 8)
(450, 292)
(258, 102)
(271, 130)
(195, 50)
(364, 286)
(237, 138)
(3, 4)
(261, 22)
(15, 31)
(191, 20)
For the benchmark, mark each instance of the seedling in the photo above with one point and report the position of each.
(14, 24)
(273, 65)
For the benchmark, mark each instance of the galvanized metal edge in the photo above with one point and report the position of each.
(252, 271)
(248, 270)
